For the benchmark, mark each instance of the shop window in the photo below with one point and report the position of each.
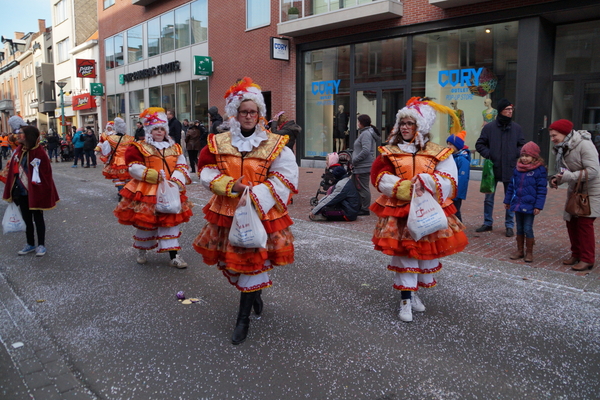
(466, 66)
(258, 13)
(168, 97)
(109, 53)
(199, 21)
(200, 101)
(63, 50)
(182, 27)
(154, 97)
(577, 48)
(167, 32)
(136, 101)
(119, 48)
(135, 44)
(110, 107)
(183, 101)
(60, 11)
(153, 37)
(382, 60)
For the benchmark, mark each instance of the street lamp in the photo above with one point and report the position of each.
(61, 85)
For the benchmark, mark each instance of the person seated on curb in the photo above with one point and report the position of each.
(342, 203)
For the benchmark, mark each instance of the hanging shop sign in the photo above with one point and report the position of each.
(280, 49)
(162, 69)
(86, 68)
(83, 102)
(203, 66)
(97, 89)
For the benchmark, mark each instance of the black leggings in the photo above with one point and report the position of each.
(31, 216)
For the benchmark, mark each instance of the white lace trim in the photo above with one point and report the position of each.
(246, 143)
(160, 145)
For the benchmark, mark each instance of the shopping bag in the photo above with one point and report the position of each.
(247, 229)
(425, 216)
(13, 221)
(167, 197)
(488, 182)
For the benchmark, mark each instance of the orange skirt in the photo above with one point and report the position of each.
(142, 214)
(391, 236)
(213, 243)
(113, 171)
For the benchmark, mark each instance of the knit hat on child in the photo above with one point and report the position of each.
(530, 149)
(458, 140)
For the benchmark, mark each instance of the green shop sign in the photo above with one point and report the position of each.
(203, 66)
(96, 89)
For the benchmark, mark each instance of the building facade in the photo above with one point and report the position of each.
(368, 56)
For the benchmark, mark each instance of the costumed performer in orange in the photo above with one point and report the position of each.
(147, 161)
(247, 155)
(112, 152)
(411, 158)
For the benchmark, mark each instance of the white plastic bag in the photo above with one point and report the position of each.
(246, 229)
(13, 221)
(425, 216)
(167, 197)
(35, 176)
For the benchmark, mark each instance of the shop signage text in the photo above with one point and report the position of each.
(461, 77)
(86, 68)
(173, 66)
(96, 89)
(280, 49)
(83, 102)
(326, 90)
(204, 66)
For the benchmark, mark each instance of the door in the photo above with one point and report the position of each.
(379, 103)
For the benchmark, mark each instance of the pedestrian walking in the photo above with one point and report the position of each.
(500, 141)
(78, 142)
(151, 161)
(29, 184)
(577, 159)
(112, 152)
(52, 144)
(525, 196)
(363, 155)
(192, 144)
(411, 162)
(462, 158)
(247, 156)
(89, 147)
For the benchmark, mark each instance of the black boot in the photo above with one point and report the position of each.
(258, 303)
(243, 320)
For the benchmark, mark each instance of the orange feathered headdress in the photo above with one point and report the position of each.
(244, 89)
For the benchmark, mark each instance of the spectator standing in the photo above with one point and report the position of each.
(139, 132)
(186, 125)
(215, 119)
(500, 141)
(192, 144)
(363, 156)
(284, 127)
(342, 202)
(78, 141)
(525, 196)
(577, 157)
(52, 144)
(89, 146)
(5, 149)
(175, 128)
(31, 197)
(462, 158)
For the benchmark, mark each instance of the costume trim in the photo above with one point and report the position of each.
(403, 190)
(219, 185)
(145, 248)
(453, 182)
(379, 177)
(279, 202)
(166, 250)
(403, 270)
(283, 180)
(260, 210)
(150, 176)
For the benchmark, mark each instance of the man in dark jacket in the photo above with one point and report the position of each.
(52, 144)
(215, 119)
(174, 127)
(500, 141)
(342, 204)
(140, 134)
(287, 128)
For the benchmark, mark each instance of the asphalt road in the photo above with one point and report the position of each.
(330, 330)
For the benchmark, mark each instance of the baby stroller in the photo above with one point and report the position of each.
(343, 158)
(66, 154)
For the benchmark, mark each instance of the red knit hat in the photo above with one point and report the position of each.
(563, 126)
(530, 149)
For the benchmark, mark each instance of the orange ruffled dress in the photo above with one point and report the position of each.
(138, 205)
(228, 164)
(391, 236)
(116, 167)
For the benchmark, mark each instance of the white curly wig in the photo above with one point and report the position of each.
(120, 126)
(16, 122)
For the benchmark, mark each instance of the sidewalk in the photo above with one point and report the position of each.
(552, 241)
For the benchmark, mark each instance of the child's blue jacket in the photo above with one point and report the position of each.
(527, 190)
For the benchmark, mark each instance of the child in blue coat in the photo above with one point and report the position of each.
(462, 158)
(526, 195)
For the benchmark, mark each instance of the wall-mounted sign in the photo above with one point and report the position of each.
(203, 66)
(96, 89)
(86, 68)
(83, 102)
(280, 49)
(173, 66)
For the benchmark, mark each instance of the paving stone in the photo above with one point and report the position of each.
(30, 366)
(66, 382)
(46, 393)
(23, 353)
(47, 355)
(37, 380)
(56, 368)
(77, 394)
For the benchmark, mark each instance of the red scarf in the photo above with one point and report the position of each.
(528, 167)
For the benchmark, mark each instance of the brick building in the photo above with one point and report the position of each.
(368, 56)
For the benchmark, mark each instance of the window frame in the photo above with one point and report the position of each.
(257, 4)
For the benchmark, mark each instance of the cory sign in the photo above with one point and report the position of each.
(83, 102)
(460, 77)
(86, 68)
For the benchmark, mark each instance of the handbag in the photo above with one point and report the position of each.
(488, 181)
(425, 216)
(247, 229)
(13, 220)
(578, 203)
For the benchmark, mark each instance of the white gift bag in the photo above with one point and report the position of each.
(13, 221)
(167, 197)
(247, 229)
(425, 216)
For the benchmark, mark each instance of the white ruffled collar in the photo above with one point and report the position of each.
(160, 145)
(244, 144)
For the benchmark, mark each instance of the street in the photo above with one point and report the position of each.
(329, 330)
